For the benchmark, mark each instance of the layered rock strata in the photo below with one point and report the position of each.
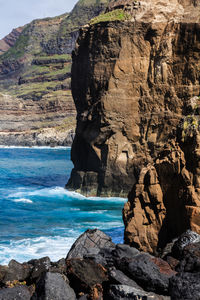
(135, 85)
(9, 40)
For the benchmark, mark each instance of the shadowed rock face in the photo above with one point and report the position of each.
(134, 85)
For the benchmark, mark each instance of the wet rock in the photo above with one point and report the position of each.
(90, 239)
(84, 274)
(39, 266)
(145, 272)
(124, 292)
(188, 237)
(52, 286)
(16, 293)
(17, 271)
(185, 286)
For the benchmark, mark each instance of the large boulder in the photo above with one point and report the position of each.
(85, 274)
(119, 278)
(17, 271)
(52, 286)
(147, 272)
(91, 239)
(188, 237)
(190, 259)
(185, 286)
(15, 293)
(124, 292)
(39, 266)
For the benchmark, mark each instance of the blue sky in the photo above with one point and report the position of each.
(17, 13)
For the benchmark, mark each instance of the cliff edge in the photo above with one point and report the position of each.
(135, 84)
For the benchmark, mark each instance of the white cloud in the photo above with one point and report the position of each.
(17, 13)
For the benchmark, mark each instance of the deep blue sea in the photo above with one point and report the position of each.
(38, 217)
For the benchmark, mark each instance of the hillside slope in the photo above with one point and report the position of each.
(35, 73)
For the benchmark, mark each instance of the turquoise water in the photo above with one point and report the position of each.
(38, 216)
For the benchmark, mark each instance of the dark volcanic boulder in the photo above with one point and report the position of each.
(146, 272)
(85, 274)
(102, 256)
(123, 250)
(90, 239)
(16, 293)
(17, 271)
(190, 259)
(52, 286)
(124, 292)
(119, 278)
(39, 266)
(185, 286)
(58, 267)
(189, 237)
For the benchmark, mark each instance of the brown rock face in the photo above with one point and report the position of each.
(10, 39)
(135, 85)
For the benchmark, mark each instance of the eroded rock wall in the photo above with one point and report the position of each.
(132, 82)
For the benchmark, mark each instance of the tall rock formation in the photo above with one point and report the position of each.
(135, 83)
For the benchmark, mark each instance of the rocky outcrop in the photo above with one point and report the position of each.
(125, 274)
(135, 85)
(47, 122)
(9, 40)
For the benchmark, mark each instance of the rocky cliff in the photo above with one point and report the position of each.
(9, 40)
(35, 72)
(135, 83)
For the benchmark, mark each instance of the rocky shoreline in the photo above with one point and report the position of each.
(95, 269)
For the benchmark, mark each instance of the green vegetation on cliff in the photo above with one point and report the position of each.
(115, 15)
(35, 73)
(41, 55)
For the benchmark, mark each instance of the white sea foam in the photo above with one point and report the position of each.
(26, 249)
(33, 147)
(60, 191)
(23, 200)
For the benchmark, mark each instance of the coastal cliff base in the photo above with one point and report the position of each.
(97, 269)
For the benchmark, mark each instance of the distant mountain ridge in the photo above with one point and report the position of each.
(35, 72)
(9, 40)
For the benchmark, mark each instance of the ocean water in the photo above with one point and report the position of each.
(38, 217)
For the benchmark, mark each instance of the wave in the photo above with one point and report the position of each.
(23, 250)
(23, 200)
(63, 194)
(34, 147)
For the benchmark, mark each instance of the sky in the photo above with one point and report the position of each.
(15, 13)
